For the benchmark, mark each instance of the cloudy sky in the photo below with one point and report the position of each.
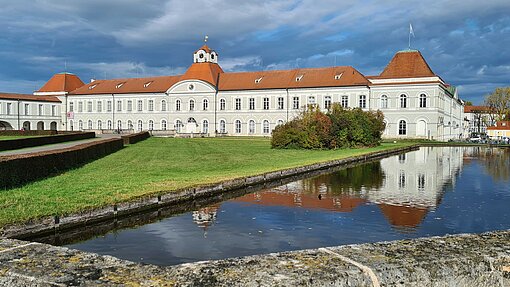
(465, 42)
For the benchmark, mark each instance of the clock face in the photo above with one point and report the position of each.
(191, 87)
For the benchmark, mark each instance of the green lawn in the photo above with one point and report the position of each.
(156, 165)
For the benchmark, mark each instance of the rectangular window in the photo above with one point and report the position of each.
(345, 101)
(108, 106)
(9, 108)
(295, 103)
(27, 106)
(119, 106)
(140, 106)
(238, 104)
(129, 105)
(151, 105)
(99, 106)
(53, 110)
(280, 103)
(362, 101)
(80, 107)
(71, 106)
(252, 103)
(311, 100)
(40, 110)
(89, 106)
(266, 104)
(327, 102)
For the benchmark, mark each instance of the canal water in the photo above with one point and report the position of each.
(432, 191)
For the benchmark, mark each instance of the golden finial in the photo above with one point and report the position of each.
(206, 38)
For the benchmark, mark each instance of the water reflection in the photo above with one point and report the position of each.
(495, 160)
(433, 191)
(403, 187)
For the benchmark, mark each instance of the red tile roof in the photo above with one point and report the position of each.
(126, 86)
(472, 109)
(298, 78)
(205, 48)
(207, 72)
(62, 82)
(501, 125)
(407, 64)
(11, 96)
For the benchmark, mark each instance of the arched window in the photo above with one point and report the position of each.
(178, 126)
(151, 125)
(130, 125)
(178, 105)
(384, 102)
(222, 104)
(191, 105)
(280, 122)
(362, 101)
(238, 126)
(89, 124)
(251, 127)
(99, 125)
(163, 125)
(110, 125)
(140, 125)
(119, 125)
(423, 101)
(71, 125)
(163, 106)
(205, 126)
(223, 127)
(205, 104)
(402, 127)
(80, 125)
(265, 126)
(403, 101)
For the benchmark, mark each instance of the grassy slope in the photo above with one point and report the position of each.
(2, 138)
(155, 165)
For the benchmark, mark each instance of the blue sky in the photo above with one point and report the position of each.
(465, 42)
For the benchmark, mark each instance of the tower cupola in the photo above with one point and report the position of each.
(205, 54)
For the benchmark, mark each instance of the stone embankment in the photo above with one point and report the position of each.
(461, 260)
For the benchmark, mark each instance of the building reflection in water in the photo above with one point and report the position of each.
(495, 161)
(404, 187)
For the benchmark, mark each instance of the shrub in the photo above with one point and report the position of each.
(339, 128)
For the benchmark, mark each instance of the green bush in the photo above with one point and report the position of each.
(339, 128)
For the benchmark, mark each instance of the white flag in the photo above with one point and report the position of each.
(411, 32)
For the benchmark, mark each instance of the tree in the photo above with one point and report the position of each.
(468, 103)
(499, 102)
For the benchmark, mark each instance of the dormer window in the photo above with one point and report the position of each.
(298, 78)
(119, 85)
(201, 56)
(258, 80)
(212, 56)
(147, 84)
(338, 76)
(93, 86)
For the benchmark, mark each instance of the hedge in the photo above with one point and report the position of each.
(134, 138)
(16, 170)
(27, 133)
(43, 140)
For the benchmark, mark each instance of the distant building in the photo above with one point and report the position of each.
(415, 101)
(477, 119)
(501, 130)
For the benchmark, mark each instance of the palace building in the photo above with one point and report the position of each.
(205, 100)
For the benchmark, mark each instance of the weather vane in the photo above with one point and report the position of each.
(206, 38)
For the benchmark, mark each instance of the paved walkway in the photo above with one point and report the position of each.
(58, 146)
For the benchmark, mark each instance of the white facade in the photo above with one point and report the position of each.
(29, 114)
(198, 102)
